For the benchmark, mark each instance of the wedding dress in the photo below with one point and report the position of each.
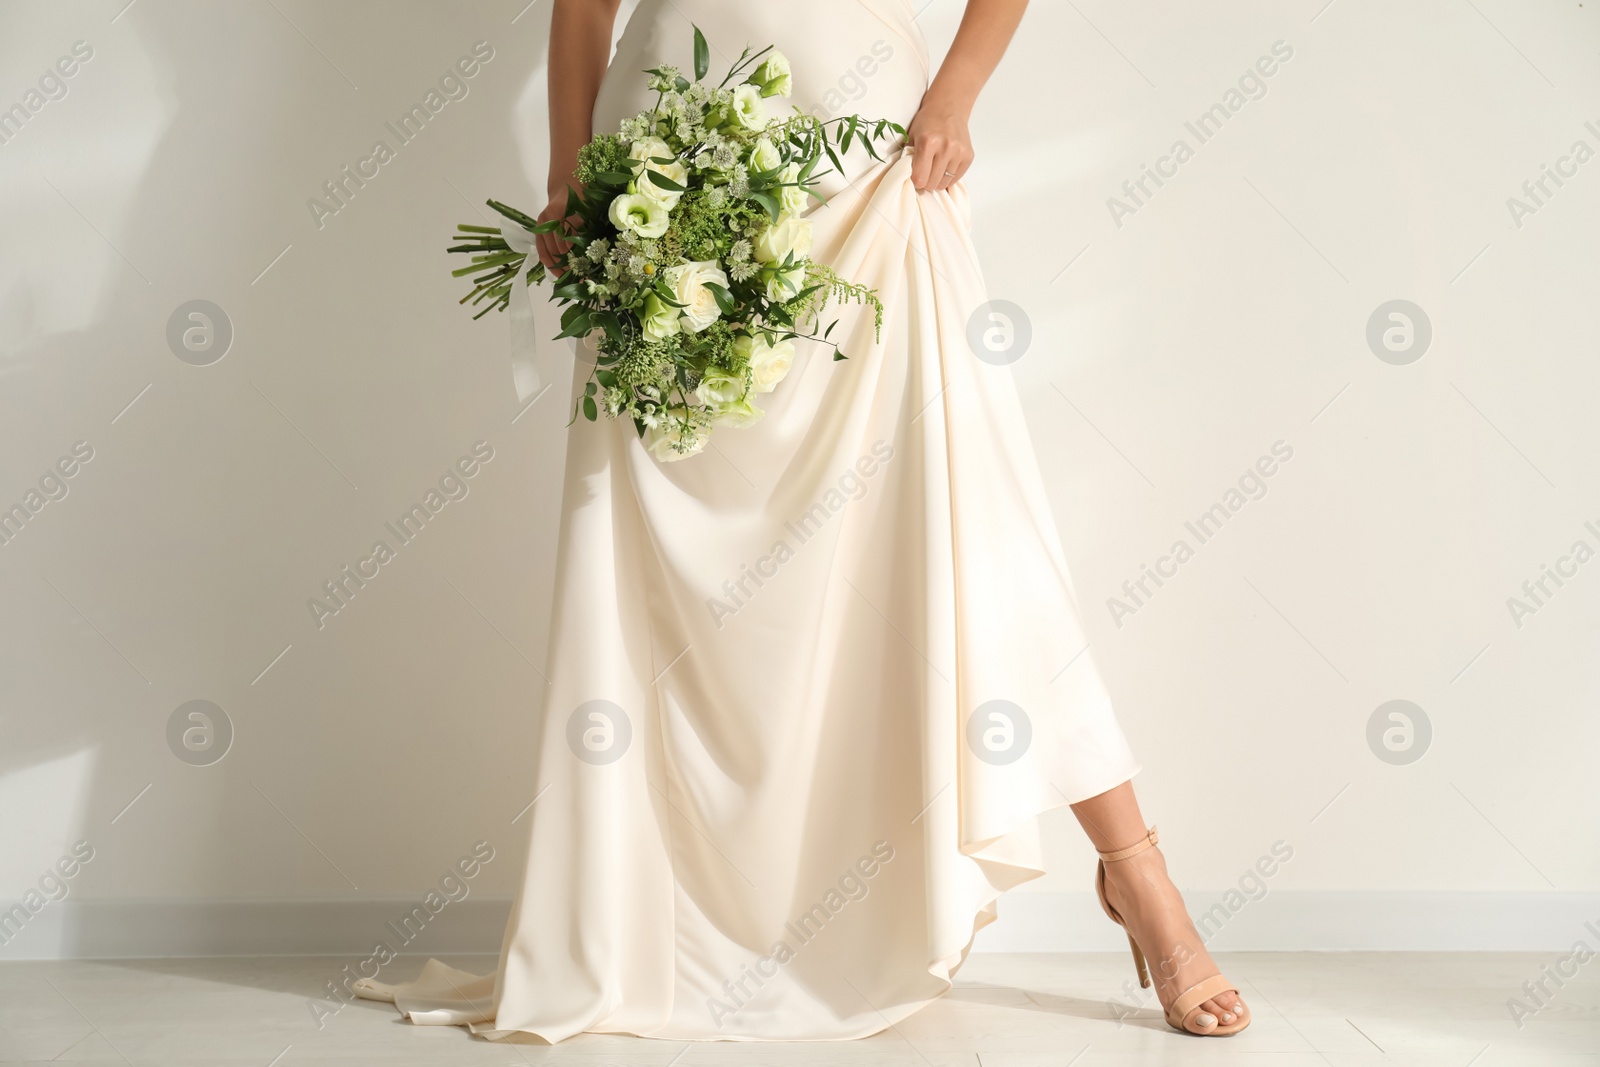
(809, 689)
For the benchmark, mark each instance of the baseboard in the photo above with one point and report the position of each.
(1282, 920)
(1309, 920)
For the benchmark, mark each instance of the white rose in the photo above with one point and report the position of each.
(785, 284)
(650, 147)
(737, 414)
(688, 284)
(719, 387)
(749, 110)
(662, 439)
(791, 198)
(788, 234)
(764, 156)
(769, 363)
(642, 215)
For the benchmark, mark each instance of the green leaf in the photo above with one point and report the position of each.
(608, 321)
(588, 389)
(702, 55)
(829, 330)
(575, 322)
(828, 148)
(589, 410)
(725, 301)
(614, 177)
(606, 378)
(838, 355)
(768, 201)
(659, 179)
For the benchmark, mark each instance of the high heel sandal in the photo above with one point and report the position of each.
(1187, 1004)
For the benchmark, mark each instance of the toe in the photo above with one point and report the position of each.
(1228, 1002)
(1226, 1008)
(1203, 1020)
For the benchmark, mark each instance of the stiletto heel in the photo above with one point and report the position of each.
(1139, 964)
(1187, 1004)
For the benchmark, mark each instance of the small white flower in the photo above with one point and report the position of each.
(671, 439)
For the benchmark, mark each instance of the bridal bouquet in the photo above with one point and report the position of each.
(689, 261)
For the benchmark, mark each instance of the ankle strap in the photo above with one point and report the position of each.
(1150, 839)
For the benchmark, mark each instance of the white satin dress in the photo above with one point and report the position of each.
(811, 688)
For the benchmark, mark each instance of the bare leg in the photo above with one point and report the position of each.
(1151, 905)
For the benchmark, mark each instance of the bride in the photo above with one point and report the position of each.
(811, 689)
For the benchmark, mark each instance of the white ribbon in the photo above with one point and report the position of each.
(533, 366)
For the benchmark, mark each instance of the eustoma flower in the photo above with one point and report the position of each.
(640, 214)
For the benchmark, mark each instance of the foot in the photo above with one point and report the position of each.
(1152, 908)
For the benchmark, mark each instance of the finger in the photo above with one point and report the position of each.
(922, 163)
(547, 254)
(942, 166)
(961, 164)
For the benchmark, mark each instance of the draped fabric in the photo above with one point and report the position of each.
(811, 688)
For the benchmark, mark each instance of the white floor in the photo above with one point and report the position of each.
(1007, 1011)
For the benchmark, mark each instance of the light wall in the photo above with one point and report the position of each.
(1176, 340)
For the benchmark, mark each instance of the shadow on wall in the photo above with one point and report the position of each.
(219, 498)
